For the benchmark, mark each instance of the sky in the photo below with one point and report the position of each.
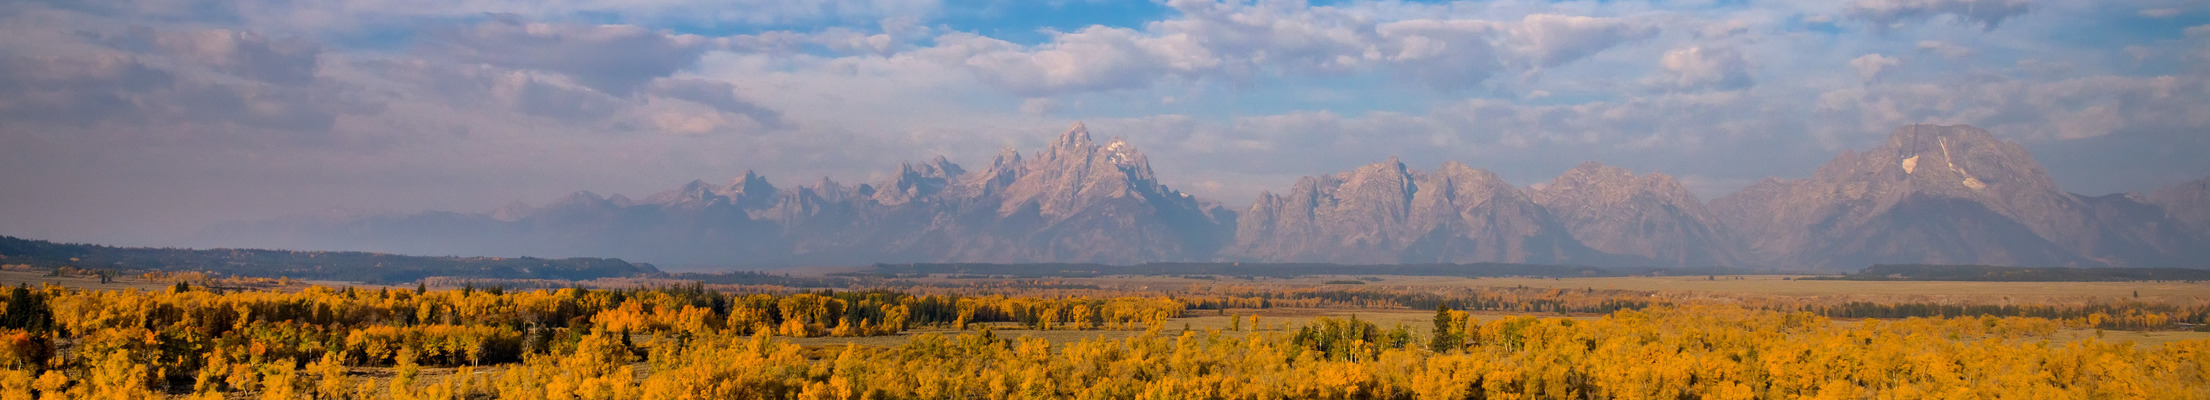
(140, 122)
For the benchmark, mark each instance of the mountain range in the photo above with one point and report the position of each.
(1930, 194)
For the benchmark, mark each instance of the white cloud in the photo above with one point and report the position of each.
(1092, 59)
(1870, 65)
(609, 58)
(1699, 67)
(353, 15)
(720, 97)
(1887, 13)
(244, 53)
(1237, 43)
(2139, 53)
(2033, 110)
(1039, 106)
(1945, 49)
(1549, 40)
(1445, 54)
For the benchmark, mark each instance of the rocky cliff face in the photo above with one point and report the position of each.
(1650, 216)
(1386, 213)
(1932, 194)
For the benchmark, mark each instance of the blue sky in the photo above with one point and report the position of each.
(141, 121)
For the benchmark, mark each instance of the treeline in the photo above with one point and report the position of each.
(188, 339)
(734, 281)
(1562, 301)
(58, 342)
(1270, 270)
(2107, 315)
(1278, 270)
(1716, 352)
(2127, 316)
(764, 278)
(1989, 273)
(322, 265)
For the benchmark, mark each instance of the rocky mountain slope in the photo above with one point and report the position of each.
(1930, 194)
(2189, 203)
(1387, 213)
(1650, 216)
(1941, 194)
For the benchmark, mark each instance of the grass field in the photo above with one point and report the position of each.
(1289, 319)
(1770, 285)
(1270, 320)
(38, 278)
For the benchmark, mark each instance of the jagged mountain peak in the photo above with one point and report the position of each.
(1007, 156)
(1004, 169)
(1389, 169)
(1120, 153)
(1076, 133)
(1955, 159)
(1076, 141)
(1651, 216)
(827, 188)
(1460, 181)
(750, 191)
(697, 190)
(1455, 167)
(1386, 182)
(1937, 193)
(917, 181)
(1387, 212)
(1592, 168)
(1588, 176)
(944, 167)
(1075, 172)
(938, 167)
(1599, 182)
(1930, 137)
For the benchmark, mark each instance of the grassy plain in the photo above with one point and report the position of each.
(90, 282)
(1289, 319)
(1725, 285)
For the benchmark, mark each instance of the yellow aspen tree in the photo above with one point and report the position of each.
(330, 379)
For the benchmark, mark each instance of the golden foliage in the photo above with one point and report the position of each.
(700, 344)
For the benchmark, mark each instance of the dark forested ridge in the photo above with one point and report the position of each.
(1988, 273)
(331, 265)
